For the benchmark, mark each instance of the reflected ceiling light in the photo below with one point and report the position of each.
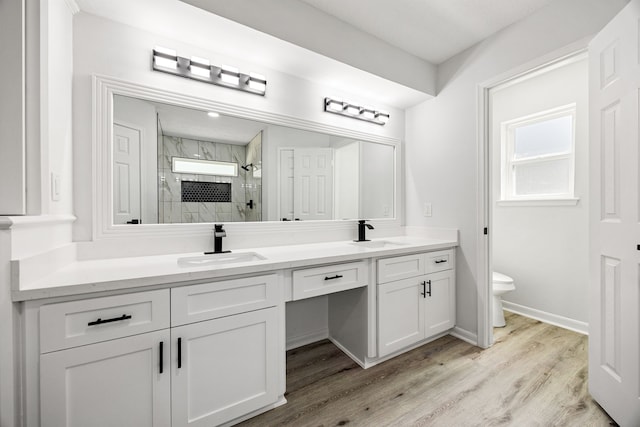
(213, 114)
(368, 114)
(167, 61)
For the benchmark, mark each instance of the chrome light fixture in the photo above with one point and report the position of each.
(368, 114)
(167, 61)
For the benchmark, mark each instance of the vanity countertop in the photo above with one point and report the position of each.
(149, 272)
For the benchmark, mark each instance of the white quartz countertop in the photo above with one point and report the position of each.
(148, 272)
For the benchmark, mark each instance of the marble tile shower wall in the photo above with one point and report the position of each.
(253, 187)
(171, 209)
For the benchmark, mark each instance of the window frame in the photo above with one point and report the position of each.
(509, 164)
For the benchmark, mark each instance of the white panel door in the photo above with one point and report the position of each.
(112, 383)
(224, 368)
(614, 324)
(313, 183)
(400, 314)
(440, 303)
(126, 174)
(285, 198)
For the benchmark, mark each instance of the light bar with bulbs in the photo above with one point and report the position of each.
(167, 61)
(368, 114)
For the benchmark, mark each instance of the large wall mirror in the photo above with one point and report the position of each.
(164, 167)
(171, 163)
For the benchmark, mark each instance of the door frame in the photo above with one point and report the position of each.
(484, 183)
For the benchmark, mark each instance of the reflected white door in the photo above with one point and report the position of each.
(313, 183)
(126, 174)
(285, 170)
(614, 324)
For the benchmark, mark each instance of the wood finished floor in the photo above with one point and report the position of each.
(534, 375)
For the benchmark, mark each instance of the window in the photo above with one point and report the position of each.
(538, 155)
(203, 167)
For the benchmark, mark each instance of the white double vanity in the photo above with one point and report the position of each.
(177, 340)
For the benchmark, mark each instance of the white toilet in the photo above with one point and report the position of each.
(501, 285)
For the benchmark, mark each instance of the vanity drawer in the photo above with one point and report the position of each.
(312, 282)
(74, 323)
(401, 267)
(439, 261)
(196, 303)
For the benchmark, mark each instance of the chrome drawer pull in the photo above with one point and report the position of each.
(438, 261)
(115, 319)
(337, 276)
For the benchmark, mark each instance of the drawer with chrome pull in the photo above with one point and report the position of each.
(74, 323)
(312, 282)
(439, 261)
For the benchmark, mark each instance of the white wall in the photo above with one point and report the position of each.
(108, 48)
(347, 180)
(441, 154)
(376, 180)
(544, 248)
(130, 111)
(12, 104)
(56, 58)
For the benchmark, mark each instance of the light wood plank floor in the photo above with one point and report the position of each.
(534, 375)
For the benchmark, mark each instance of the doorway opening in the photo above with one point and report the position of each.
(534, 195)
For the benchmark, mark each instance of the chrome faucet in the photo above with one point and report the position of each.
(362, 230)
(218, 234)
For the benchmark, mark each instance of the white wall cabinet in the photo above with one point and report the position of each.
(224, 368)
(112, 383)
(417, 308)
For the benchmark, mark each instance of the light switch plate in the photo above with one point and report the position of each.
(426, 209)
(55, 186)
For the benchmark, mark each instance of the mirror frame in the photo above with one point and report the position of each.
(104, 88)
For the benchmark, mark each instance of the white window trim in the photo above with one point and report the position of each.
(507, 142)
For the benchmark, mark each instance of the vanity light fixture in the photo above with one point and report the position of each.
(165, 58)
(368, 114)
(200, 67)
(230, 75)
(167, 61)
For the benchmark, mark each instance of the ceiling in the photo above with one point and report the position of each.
(434, 30)
(195, 124)
(383, 51)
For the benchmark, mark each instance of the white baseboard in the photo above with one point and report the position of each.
(543, 316)
(464, 335)
(308, 338)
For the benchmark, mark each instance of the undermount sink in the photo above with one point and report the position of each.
(374, 244)
(219, 259)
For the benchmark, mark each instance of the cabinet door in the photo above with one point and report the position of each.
(224, 368)
(440, 306)
(400, 314)
(112, 383)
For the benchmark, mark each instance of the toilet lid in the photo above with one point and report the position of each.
(501, 278)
